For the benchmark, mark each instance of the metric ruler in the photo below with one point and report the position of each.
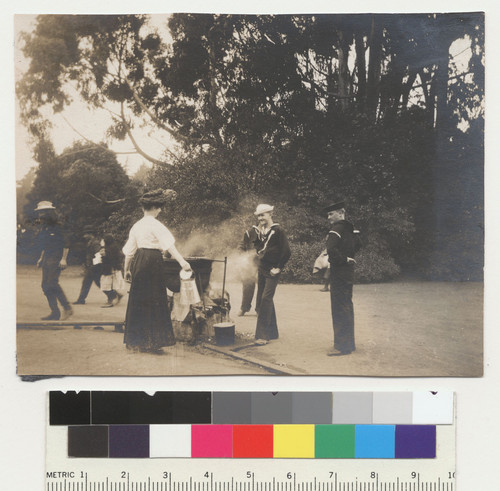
(382, 479)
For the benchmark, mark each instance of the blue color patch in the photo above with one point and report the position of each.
(374, 441)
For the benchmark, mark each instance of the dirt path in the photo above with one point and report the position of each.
(402, 329)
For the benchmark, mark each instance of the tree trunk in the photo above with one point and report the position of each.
(441, 88)
(406, 88)
(343, 54)
(212, 97)
(374, 68)
(361, 69)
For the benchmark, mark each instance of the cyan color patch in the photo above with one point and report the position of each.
(374, 441)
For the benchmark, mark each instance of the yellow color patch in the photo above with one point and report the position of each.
(294, 441)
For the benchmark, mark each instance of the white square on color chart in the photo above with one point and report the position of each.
(433, 407)
(170, 441)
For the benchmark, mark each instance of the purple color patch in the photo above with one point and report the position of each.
(415, 442)
(129, 441)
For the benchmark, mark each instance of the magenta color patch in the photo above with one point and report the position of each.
(211, 441)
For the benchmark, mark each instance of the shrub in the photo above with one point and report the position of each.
(299, 267)
(374, 265)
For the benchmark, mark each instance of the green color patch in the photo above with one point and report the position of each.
(334, 441)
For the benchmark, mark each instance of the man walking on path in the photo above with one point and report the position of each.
(342, 244)
(54, 252)
(248, 246)
(273, 253)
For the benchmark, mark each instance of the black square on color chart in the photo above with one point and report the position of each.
(88, 441)
(192, 407)
(116, 407)
(69, 408)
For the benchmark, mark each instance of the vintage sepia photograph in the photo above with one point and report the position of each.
(223, 194)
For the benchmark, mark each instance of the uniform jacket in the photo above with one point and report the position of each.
(342, 242)
(273, 251)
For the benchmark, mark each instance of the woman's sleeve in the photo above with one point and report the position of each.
(130, 247)
(164, 236)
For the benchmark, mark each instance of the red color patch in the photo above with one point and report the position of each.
(253, 441)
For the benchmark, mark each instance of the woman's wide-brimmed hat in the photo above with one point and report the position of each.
(45, 205)
(262, 208)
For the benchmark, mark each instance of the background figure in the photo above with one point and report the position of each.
(148, 326)
(249, 245)
(111, 271)
(91, 272)
(273, 253)
(326, 280)
(322, 267)
(54, 252)
(342, 244)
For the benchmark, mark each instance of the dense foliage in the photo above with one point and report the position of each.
(296, 110)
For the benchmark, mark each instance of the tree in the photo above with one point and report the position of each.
(297, 108)
(86, 184)
(23, 187)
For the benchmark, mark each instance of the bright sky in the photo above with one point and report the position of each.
(91, 124)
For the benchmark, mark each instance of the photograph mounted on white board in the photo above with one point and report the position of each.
(202, 194)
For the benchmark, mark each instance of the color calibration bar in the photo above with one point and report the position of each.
(253, 441)
(313, 425)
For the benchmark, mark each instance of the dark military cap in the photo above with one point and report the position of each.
(335, 206)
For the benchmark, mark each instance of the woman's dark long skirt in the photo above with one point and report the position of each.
(147, 324)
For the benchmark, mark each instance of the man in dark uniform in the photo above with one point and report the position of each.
(54, 252)
(91, 272)
(273, 252)
(248, 246)
(342, 244)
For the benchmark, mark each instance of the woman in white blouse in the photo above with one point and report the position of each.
(148, 326)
